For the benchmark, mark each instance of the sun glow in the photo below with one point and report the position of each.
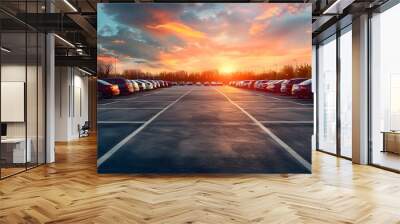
(226, 69)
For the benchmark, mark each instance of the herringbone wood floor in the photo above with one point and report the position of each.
(70, 191)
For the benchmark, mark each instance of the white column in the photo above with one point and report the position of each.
(50, 92)
(50, 99)
(360, 90)
(314, 90)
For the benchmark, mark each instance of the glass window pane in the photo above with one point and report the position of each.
(41, 98)
(327, 96)
(346, 94)
(31, 97)
(13, 86)
(23, 85)
(385, 84)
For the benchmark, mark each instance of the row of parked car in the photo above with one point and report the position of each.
(109, 87)
(299, 87)
(212, 83)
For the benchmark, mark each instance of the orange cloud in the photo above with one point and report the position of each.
(293, 9)
(180, 29)
(269, 13)
(257, 28)
(106, 59)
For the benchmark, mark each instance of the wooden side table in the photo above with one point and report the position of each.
(391, 141)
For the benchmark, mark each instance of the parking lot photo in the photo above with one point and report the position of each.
(204, 88)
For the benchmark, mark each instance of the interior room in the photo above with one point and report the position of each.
(53, 98)
(385, 84)
(22, 99)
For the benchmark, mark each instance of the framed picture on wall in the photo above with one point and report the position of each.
(204, 88)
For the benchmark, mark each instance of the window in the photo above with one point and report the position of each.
(23, 89)
(385, 89)
(346, 92)
(327, 95)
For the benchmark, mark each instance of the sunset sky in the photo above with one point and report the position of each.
(195, 37)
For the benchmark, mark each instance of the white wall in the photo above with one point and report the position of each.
(71, 87)
(14, 73)
(62, 80)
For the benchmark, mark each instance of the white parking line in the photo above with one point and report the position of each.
(279, 108)
(304, 104)
(285, 146)
(283, 100)
(116, 147)
(270, 97)
(258, 94)
(146, 101)
(102, 104)
(222, 123)
(286, 122)
(256, 101)
(152, 101)
(275, 101)
(136, 96)
(130, 108)
(121, 122)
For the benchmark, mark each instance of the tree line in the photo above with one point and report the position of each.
(286, 72)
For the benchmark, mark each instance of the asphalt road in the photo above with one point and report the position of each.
(204, 129)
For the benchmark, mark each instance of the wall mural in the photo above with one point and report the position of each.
(204, 88)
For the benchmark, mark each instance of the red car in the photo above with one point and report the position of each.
(125, 86)
(106, 90)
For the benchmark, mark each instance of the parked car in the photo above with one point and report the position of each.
(165, 83)
(251, 84)
(286, 87)
(275, 86)
(219, 83)
(106, 89)
(260, 84)
(155, 84)
(245, 83)
(303, 89)
(206, 83)
(198, 83)
(135, 85)
(142, 85)
(125, 86)
(240, 83)
(189, 83)
(162, 83)
(150, 84)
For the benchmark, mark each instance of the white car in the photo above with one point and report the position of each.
(149, 85)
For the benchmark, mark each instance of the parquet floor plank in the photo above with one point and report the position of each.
(71, 191)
